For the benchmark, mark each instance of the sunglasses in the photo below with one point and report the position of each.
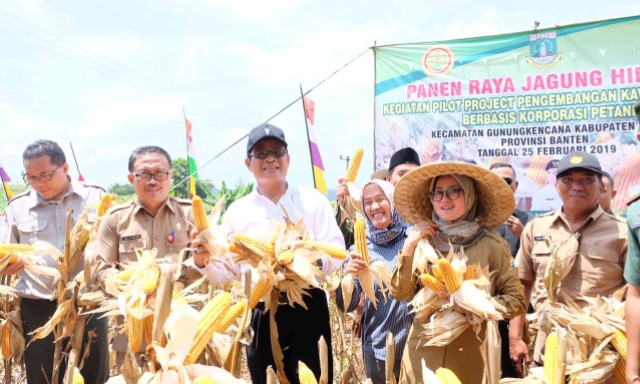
(508, 180)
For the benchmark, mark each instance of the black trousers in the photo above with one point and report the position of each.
(299, 331)
(38, 356)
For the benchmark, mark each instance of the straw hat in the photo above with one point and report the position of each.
(494, 197)
(380, 174)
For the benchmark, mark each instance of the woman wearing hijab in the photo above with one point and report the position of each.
(386, 234)
(454, 205)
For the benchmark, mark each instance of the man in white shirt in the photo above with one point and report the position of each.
(299, 329)
(546, 197)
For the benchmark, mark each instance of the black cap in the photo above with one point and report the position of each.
(637, 109)
(263, 132)
(552, 164)
(406, 155)
(582, 160)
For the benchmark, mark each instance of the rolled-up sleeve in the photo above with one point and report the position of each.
(403, 280)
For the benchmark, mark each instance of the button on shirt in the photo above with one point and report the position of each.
(254, 215)
(30, 218)
(598, 267)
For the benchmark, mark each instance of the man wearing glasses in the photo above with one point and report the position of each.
(40, 214)
(299, 329)
(153, 220)
(597, 269)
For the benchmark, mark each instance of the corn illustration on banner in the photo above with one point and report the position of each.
(525, 98)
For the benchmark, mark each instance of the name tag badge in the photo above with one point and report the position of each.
(635, 224)
(132, 237)
(539, 238)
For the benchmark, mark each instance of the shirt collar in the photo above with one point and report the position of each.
(74, 188)
(290, 191)
(137, 205)
(559, 215)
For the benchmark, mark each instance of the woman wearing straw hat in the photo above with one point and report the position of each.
(455, 205)
(386, 233)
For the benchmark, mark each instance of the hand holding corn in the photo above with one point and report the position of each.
(15, 267)
(200, 254)
(356, 264)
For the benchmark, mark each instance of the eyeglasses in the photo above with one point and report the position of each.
(278, 153)
(146, 176)
(43, 179)
(452, 194)
(507, 180)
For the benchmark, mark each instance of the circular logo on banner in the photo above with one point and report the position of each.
(438, 60)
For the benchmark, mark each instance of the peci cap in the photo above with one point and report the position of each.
(406, 155)
(265, 131)
(552, 164)
(582, 160)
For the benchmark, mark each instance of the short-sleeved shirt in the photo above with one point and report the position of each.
(130, 226)
(546, 199)
(598, 267)
(30, 218)
(632, 268)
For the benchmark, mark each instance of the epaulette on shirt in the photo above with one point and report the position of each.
(119, 207)
(19, 196)
(633, 198)
(90, 185)
(182, 201)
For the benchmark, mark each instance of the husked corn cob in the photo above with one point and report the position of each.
(77, 377)
(436, 272)
(135, 328)
(233, 248)
(354, 165)
(258, 292)
(552, 359)
(199, 214)
(150, 279)
(305, 375)
(263, 246)
(6, 249)
(470, 273)
(332, 251)
(446, 376)
(619, 342)
(105, 203)
(285, 258)
(203, 380)
(360, 237)
(432, 283)
(620, 371)
(210, 317)
(451, 278)
(231, 315)
(6, 340)
(148, 329)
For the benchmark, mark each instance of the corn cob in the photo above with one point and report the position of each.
(148, 329)
(285, 258)
(470, 273)
(305, 375)
(230, 317)
(150, 278)
(619, 342)
(203, 380)
(446, 376)
(620, 371)
(199, 214)
(334, 252)
(105, 203)
(360, 237)
(6, 249)
(6, 339)
(135, 328)
(233, 248)
(210, 317)
(77, 377)
(451, 278)
(258, 291)
(436, 272)
(354, 165)
(432, 283)
(552, 359)
(265, 247)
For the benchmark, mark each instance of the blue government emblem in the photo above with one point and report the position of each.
(543, 50)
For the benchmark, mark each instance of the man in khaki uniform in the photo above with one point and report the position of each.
(153, 220)
(39, 214)
(602, 252)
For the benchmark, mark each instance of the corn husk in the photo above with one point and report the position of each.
(423, 255)
(444, 327)
(428, 376)
(351, 206)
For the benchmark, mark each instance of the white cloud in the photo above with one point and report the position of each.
(255, 9)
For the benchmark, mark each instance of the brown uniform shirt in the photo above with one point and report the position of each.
(598, 267)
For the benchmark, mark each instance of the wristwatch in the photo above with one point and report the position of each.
(183, 271)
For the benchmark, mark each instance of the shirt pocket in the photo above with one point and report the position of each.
(32, 230)
(180, 241)
(127, 249)
(540, 254)
(600, 264)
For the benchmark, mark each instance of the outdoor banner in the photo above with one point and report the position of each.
(525, 98)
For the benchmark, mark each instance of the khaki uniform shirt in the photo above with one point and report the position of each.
(130, 226)
(30, 218)
(598, 267)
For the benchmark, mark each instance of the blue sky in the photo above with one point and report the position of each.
(232, 64)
